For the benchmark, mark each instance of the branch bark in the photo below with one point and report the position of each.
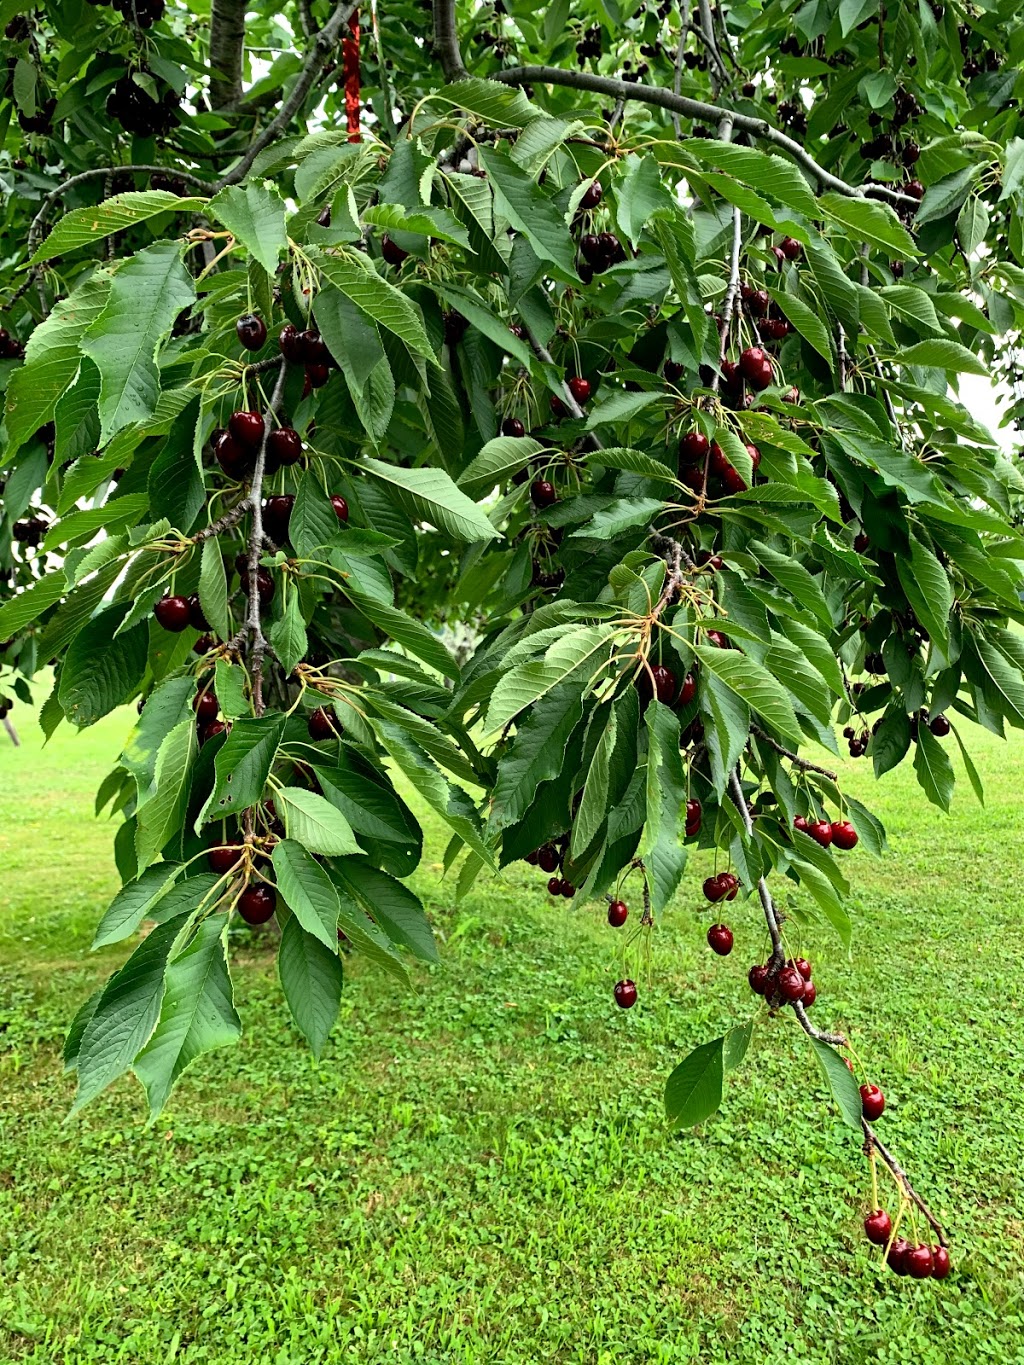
(253, 623)
(804, 763)
(323, 45)
(446, 41)
(695, 109)
(227, 43)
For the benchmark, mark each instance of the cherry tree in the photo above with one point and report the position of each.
(552, 410)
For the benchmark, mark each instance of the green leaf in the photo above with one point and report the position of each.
(867, 220)
(383, 304)
(490, 101)
(868, 826)
(640, 195)
(496, 462)
(198, 1013)
(735, 1045)
(619, 406)
(213, 588)
(623, 514)
(821, 888)
(314, 822)
(693, 1092)
(230, 686)
(756, 686)
(519, 199)
(312, 978)
(101, 670)
(126, 1015)
(634, 462)
(928, 590)
(854, 12)
(796, 580)
(146, 295)
(123, 211)
(528, 682)
(405, 630)
(394, 906)
(425, 222)
(255, 216)
(24, 608)
(430, 495)
(972, 772)
(536, 755)
(773, 175)
(806, 322)
(287, 635)
(307, 891)
(972, 224)
(841, 1081)
(890, 741)
(594, 805)
(162, 815)
(942, 354)
(156, 894)
(667, 790)
(934, 770)
(242, 765)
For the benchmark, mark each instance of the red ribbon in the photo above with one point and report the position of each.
(350, 69)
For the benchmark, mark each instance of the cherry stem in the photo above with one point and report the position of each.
(253, 625)
(872, 1143)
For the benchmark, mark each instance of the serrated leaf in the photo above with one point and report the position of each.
(940, 353)
(383, 304)
(213, 588)
(164, 811)
(528, 682)
(314, 822)
(934, 770)
(536, 755)
(621, 515)
(869, 221)
(841, 1081)
(242, 765)
(773, 175)
(307, 891)
(146, 295)
(255, 215)
(806, 322)
(753, 684)
(123, 211)
(928, 590)
(431, 495)
(394, 906)
(100, 670)
(520, 200)
(311, 977)
(496, 462)
(634, 462)
(693, 1092)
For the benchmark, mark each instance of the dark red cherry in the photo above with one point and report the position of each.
(257, 903)
(872, 1102)
(173, 613)
(251, 332)
(543, 493)
(914, 188)
(673, 371)
(751, 362)
(755, 455)
(592, 195)
(941, 1265)
(659, 682)
(512, 426)
(757, 978)
(625, 994)
(277, 513)
(206, 707)
(896, 1259)
(318, 375)
(693, 447)
(714, 890)
(918, 1261)
(810, 994)
(717, 639)
(196, 617)
(289, 342)
(224, 858)
(733, 481)
(234, 458)
(549, 859)
(340, 506)
(211, 728)
(878, 1227)
(323, 724)
(688, 690)
(554, 886)
(802, 966)
(580, 389)
(940, 726)
(694, 816)
(801, 822)
(314, 349)
(568, 890)
(720, 939)
(392, 252)
(284, 446)
(590, 247)
(618, 912)
(247, 428)
(791, 248)
(323, 218)
(791, 984)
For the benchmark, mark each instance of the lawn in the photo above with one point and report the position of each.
(480, 1172)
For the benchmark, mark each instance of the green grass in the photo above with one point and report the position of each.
(479, 1172)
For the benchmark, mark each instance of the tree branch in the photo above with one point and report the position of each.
(872, 1141)
(253, 624)
(446, 41)
(323, 45)
(695, 109)
(803, 763)
(767, 904)
(545, 357)
(227, 42)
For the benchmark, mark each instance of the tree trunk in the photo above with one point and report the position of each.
(227, 38)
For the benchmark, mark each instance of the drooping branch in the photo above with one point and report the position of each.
(803, 763)
(323, 45)
(696, 109)
(446, 41)
(227, 43)
(873, 1142)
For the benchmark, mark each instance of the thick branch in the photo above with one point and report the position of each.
(227, 42)
(719, 75)
(694, 109)
(446, 41)
(324, 44)
(803, 763)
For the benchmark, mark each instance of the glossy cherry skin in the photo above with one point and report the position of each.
(872, 1102)
(733, 481)
(878, 1227)
(757, 978)
(543, 493)
(673, 371)
(791, 984)
(802, 966)
(206, 707)
(801, 822)
(592, 195)
(284, 446)
(580, 389)
(224, 858)
(625, 994)
(323, 724)
(277, 513)
(618, 913)
(251, 332)
(392, 252)
(558, 408)
(693, 446)
(810, 994)
(843, 834)
(941, 1264)
(919, 1262)
(512, 427)
(688, 690)
(790, 248)
(897, 1256)
(289, 343)
(720, 939)
(257, 903)
(939, 726)
(173, 613)
(548, 858)
(568, 890)
(755, 455)
(658, 682)
(211, 728)
(821, 832)
(196, 617)
(318, 374)
(340, 506)
(247, 428)
(555, 886)
(590, 247)
(751, 361)
(234, 458)
(314, 348)
(694, 816)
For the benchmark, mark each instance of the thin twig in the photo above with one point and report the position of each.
(324, 44)
(254, 627)
(695, 109)
(872, 1140)
(677, 69)
(804, 763)
(836, 1039)
(706, 29)
(771, 915)
(230, 518)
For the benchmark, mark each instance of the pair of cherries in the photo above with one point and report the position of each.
(721, 888)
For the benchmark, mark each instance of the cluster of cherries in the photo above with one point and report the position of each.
(834, 833)
(549, 858)
(599, 251)
(702, 460)
(138, 112)
(771, 324)
(918, 1260)
(858, 743)
(787, 985)
(306, 348)
(10, 347)
(580, 388)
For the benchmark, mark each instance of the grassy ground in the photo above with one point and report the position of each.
(479, 1172)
